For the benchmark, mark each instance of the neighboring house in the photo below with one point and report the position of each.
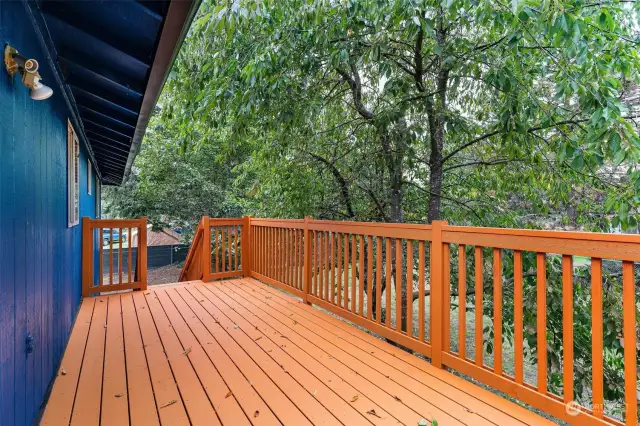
(105, 63)
(165, 237)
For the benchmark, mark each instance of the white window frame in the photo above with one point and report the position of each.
(98, 197)
(89, 177)
(73, 176)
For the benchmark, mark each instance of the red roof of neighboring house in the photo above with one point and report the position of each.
(166, 237)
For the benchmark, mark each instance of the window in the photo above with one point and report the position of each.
(98, 197)
(89, 176)
(73, 176)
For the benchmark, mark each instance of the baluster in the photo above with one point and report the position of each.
(110, 256)
(322, 265)
(129, 238)
(229, 241)
(518, 316)
(446, 298)
(479, 291)
(353, 274)
(541, 272)
(629, 335)
(596, 332)
(235, 249)
(409, 324)
(462, 301)
(379, 268)
(361, 276)
(120, 254)
(398, 284)
(387, 289)
(497, 311)
(101, 243)
(369, 277)
(567, 326)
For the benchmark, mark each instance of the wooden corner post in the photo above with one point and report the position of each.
(206, 248)
(142, 253)
(246, 247)
(307, 259)
(437, 292)
(87, 256)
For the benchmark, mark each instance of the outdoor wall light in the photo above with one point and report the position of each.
(28, 69)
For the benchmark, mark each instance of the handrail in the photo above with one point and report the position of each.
(365, 272)
(192, 261)
(136, 279)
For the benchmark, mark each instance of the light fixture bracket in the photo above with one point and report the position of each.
(9, 60)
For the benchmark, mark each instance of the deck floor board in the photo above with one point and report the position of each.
(239, 352)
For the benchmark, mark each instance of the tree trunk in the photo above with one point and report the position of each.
(437, 118)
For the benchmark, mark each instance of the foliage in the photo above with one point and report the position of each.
(479, 112)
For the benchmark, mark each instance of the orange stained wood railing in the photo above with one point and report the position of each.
(127, 260)
(219, 249)
(396, 280)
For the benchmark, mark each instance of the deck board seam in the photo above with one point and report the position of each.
(168, 363)
(226, 353)
(124, 356)
(146, 359)
(424, 415)
(84, 352)
(271, 358)
(355, 332)
(188, 358)
(184, 349)
(104, 354)
(402, 374)
(294, 360)
(260, 367)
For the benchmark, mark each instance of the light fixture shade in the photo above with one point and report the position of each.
(40, 92)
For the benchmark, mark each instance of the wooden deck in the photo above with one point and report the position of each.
(239, 352)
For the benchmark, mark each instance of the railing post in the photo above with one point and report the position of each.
(87, 256)
(437, 292)
(142, 253)
(306, 282)
(206, 248)
(246, 249)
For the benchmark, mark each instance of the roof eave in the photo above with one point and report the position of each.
(174, 31)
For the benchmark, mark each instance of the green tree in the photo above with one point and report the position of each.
(480, 112)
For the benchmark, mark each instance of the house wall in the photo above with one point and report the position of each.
(40, 257)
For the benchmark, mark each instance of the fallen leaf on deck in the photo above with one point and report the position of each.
(354, 399)
(396, 398)
(63, 371)
(186, 351)
(118, 395)
(373, 413)
(173, 401)
(229, 394)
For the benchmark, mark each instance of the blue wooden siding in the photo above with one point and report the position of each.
(40, 258)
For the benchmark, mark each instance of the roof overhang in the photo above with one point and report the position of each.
(111, 60)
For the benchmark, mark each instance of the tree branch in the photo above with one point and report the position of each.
(356, 91)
